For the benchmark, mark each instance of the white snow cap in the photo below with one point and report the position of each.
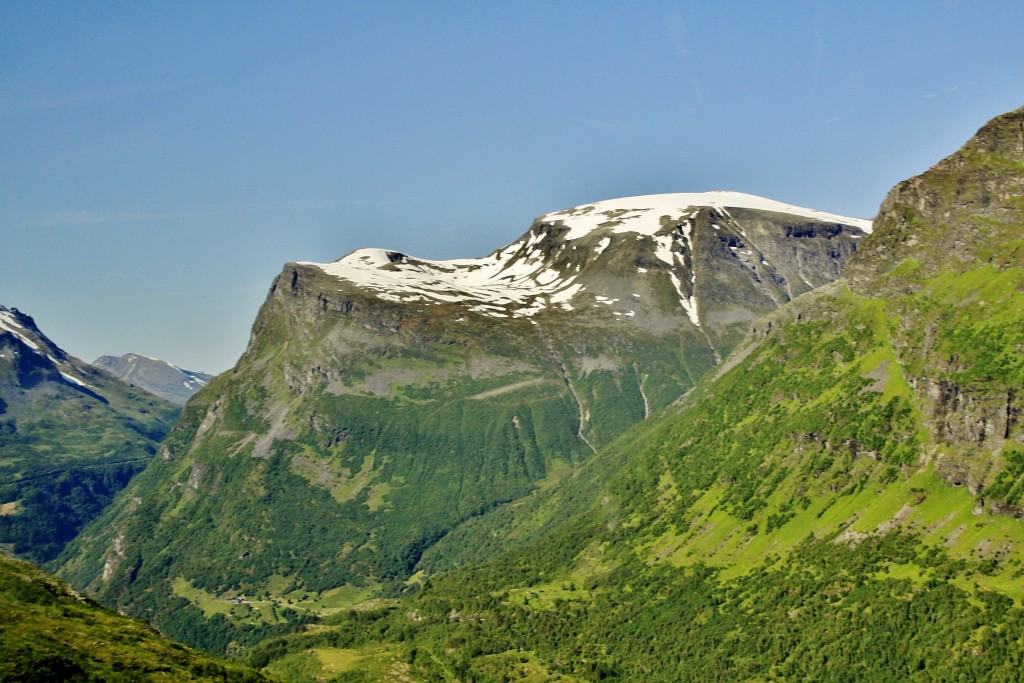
(518, 281)
(492, 283)
(642, 214)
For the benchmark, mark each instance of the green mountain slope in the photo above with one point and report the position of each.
(50, 633)
(71, 437)
(841, 502)
(385, 400)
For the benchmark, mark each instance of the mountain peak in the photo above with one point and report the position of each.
(156, 376)
(963, 211)
(23, 327)
(44, 360)
(563, 261)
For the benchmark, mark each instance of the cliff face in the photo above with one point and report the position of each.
(948, 250)
(964, 211)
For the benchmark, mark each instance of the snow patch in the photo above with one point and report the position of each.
(10, 323)
(76, 381)
(496, 285)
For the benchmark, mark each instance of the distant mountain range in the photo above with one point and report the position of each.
(155, 376)
(71, 436)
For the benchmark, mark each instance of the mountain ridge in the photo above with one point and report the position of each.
(839, 501)
(71, 436)
(510, 280)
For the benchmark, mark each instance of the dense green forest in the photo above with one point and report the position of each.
(53, 507)
(821, 614)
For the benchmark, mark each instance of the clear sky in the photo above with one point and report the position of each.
(161, 161)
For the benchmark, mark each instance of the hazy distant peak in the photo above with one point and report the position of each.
(155, 376)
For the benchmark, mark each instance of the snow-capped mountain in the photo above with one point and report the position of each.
(155, 376)
(385, 401)
(35, 357)
(563, 261)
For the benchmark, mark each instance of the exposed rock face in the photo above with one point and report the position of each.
(954, 235)
(384, 400)
(158, 377)
(963, 211)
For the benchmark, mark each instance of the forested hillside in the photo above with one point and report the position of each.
(48, 632)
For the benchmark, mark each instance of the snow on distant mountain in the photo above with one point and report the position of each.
(52, 361)
(642, 214)
(155, 376)
(10, 321)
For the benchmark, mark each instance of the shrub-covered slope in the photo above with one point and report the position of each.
(841, 502)
(48, 632)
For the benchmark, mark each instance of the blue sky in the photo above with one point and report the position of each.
(160, 162)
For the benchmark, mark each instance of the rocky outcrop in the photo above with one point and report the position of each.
(963, 211)
(946, 252)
